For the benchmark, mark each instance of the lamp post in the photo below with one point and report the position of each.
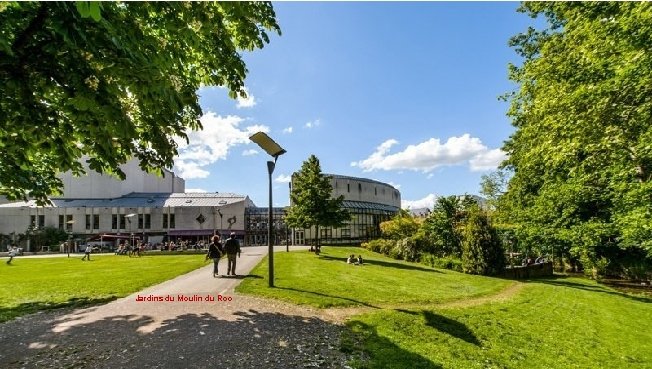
(274, 150)
(131, 235)
(221, 216)
(69, 229)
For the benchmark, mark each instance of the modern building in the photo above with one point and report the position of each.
(369, 203)
(154, 209)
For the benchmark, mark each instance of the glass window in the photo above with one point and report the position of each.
(148, 221)
(96, 221)
(114, 221)
(61, 222)
(140, 221)
(69, 223)
(123, 221)
(88, 221)
(171, 220)
(165, 221)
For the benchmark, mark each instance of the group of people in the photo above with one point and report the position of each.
(126, 249)
(353, 260)
(215, 251)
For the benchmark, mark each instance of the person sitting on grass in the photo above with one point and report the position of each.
(359, 262)
(351, 259)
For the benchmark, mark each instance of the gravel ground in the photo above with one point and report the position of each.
(245, 332)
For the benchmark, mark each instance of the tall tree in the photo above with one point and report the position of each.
(311, 198)
(482, 251)
(581, 153)
(111, 81)
(443, 226)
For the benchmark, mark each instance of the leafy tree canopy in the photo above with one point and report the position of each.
(110, 81)
(581, 153)
(311, 199)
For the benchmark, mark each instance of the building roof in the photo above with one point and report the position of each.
(150, 200)
(368, 205)
(359, 179)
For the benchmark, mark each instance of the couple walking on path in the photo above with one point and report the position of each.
(231, 248)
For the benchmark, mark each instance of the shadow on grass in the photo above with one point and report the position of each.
(446, 325)
(188, 340)
(382, 263)
(561, 281)
(8, 313)
(376, 351)
(241, 276)
(329, 296)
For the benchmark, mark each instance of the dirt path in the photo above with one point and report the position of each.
(340, 315)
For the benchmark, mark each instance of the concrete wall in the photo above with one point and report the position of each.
(361, 189)
(101, 186)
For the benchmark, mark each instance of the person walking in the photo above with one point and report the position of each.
(231, 247)
(87, 253)
(12, 252)
(215, 252)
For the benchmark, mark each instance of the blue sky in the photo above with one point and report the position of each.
(403, 93)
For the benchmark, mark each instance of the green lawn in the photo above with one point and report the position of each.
(328, 281)
(32, 284)
(548, 323)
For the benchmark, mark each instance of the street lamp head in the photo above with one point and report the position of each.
(266, 143)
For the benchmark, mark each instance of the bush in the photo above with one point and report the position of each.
(406, 249)
(380, 246)
(482, 252)
(448, 262)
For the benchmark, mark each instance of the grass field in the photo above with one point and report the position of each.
(328, 281)
(32, 284)
(548, 323)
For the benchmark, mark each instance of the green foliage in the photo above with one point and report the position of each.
(311, 202)
(447, 262)
(112, 80)
(442, 228)
(381, 246)
(581, 153)
(51, 236)
(402, 225)
(482, 251)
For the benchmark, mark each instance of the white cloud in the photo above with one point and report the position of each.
(312, 124)
(196, 190)
(489, 160)
(282, 178)
(396, 186)
(247, 102)
(426, 202)
(249, 152)
(211, 144)
(428, 155)
(288, 130)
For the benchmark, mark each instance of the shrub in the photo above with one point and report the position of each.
(448, 262)
(482, 252)
(380, 246)
(406, 249)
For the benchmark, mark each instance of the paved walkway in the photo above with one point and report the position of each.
(192, 321)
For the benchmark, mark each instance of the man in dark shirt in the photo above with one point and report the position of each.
(231, 247)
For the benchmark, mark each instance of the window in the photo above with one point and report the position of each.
(32, 220)
(348, 187)
(148, 221)
(114, 221)
(140, 221)
(345, 232)
(359, 187)
(61, 222)
(376, 191)
(69, 223)
(168, 219)
(326, 232)
(88, 221)
(123, 222)
(96, 221)
(41, 221)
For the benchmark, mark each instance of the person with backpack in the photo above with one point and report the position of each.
(215, 252)
(231, 247)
